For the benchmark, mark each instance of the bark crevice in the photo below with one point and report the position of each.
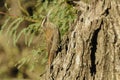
(93, 50)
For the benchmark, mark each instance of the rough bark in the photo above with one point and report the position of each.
(91, 51)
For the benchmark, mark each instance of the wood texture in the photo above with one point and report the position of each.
(91, 51)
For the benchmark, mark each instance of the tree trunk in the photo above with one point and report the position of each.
(91, 49)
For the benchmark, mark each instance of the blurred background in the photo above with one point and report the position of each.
(23, 52)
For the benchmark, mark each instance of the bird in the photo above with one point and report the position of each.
(52, 35)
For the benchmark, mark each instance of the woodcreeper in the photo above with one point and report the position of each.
(52, 39)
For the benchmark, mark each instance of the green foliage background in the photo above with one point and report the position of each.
(33, 57)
